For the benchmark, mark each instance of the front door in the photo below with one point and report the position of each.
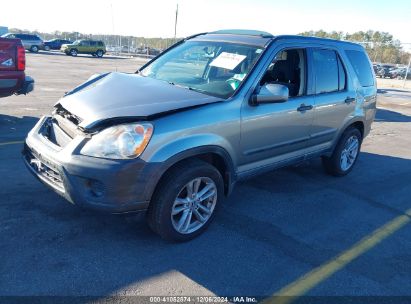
(277, 132)
(84, 46)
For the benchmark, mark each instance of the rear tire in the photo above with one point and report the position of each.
(345, 154)
(46, 48)
(175, 212)
(99, 53)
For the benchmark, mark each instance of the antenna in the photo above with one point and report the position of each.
(112, 23)
(175, 25)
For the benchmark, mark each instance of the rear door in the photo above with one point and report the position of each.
(334, 96)
(93, 47)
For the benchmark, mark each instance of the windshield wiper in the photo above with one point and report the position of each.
(186, 87)
(196, 90)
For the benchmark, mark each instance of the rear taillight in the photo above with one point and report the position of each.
(21, 58)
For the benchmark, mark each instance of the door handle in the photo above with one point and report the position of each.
(303, 108)
(349, 100)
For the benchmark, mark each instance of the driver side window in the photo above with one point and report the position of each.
(289, 69)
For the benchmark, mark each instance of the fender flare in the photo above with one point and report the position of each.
(230, 177)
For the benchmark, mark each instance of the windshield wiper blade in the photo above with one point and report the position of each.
(196, 90)
(186, 87)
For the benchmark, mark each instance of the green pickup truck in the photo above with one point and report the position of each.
(92, 47)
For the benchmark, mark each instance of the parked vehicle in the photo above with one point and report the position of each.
(32, 43)
(399, 73)
(384, 71)
(174, 138)
(55, 44)
(13, 80)
(148, 51)
(92, 47)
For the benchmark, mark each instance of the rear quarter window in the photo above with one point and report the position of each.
(362, 68)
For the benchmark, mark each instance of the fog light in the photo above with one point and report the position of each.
(97, 188)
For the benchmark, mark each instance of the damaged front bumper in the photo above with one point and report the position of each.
(115, 186)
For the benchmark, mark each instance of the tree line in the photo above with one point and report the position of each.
(110, 40)
(380, 46)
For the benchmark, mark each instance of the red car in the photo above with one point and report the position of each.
(13, 80)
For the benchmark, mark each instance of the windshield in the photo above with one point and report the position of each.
(77, 42)
(213, 68)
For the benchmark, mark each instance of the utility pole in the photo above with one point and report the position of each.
(407, 72)
(175, 25)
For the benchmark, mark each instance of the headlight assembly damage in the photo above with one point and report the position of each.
(119, 142)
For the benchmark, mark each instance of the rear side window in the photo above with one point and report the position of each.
(362, 68)
(329, 72)
(93, 43)
(100, 43)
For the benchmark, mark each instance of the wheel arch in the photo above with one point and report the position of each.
(214, 155)
(356, 123)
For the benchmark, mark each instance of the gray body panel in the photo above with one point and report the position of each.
(128, 95)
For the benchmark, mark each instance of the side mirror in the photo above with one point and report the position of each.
(270, 93)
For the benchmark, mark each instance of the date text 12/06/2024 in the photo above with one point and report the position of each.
(203, 299)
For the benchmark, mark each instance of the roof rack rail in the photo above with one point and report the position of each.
(244, 32)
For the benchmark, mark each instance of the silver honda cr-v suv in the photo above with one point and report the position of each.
(173, 138)
(32, 43)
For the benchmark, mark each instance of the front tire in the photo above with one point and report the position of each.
(185, 201)
(99, 53)
(34, 49)
(73, 52)
(345, 154)
(46, 48)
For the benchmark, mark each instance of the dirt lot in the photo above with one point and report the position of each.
(327, 236)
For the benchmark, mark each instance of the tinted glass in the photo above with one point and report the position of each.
(326, 71)
(100, 43)
(361, 65)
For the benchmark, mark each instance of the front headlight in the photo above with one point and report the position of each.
(119, 142)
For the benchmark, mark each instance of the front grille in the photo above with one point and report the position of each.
(43, 170)
(54, 133)
(67, 115)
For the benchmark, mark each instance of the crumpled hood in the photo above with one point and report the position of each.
(120, 95)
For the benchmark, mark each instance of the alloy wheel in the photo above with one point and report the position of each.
(194, 205)
(349, 153)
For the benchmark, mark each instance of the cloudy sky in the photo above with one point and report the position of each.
(155, 18)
